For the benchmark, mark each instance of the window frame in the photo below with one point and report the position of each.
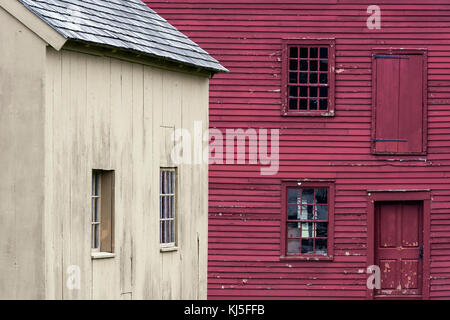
(331, 43)
(400, 51)
(105, 199)
(169, 246)
(330, 185)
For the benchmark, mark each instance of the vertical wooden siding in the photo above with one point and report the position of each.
(244, 208)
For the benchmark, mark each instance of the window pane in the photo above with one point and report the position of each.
(293, 212)
(172, 231)
(303, 77)
(308, 230)
(323, 78)
(293, 91)
(308, 196)
(321, 246)
(293, 64)
(303, 65)
(303, 52)
(313, 91)
(293, 246)
(313, 52)
(313, 104)
(322, 196)
(293, 230)
(95, 210)
(294, 195)
(313, 78)
(293, 104)
(293, 52)
(322, 212)
(324, 53)
(292, 77)
(303, 104)
(172, 207)
(307, 212)
(323, 104)
(303, 91)
(313, 65)
(322, 229)
(323, 65)
(324, 92)
(307, 245)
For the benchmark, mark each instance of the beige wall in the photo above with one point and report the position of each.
(22, 63)
(105, 113)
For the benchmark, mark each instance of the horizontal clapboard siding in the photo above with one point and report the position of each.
(244, 207)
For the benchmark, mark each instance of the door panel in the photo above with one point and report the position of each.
(398, 239)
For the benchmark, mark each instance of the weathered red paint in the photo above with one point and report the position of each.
(244, 207)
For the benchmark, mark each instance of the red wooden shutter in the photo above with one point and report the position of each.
(398, 104)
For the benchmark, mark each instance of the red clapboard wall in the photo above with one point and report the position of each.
(245, 208)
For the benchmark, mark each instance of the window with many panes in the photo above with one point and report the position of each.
(167, 205)
(307, 219)
(102, 211)
(308, 78)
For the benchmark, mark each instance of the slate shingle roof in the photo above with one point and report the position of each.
(126, 24)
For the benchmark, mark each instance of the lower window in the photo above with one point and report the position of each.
(307, 219)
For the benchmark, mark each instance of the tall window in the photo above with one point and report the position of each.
(399, 102)
(307, 221)
(308, 78)
(102, 211)
(167, 205)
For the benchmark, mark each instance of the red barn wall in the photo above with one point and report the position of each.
(244, 207)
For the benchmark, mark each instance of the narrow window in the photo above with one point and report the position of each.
(308, 78)
(167, 205)
(307, 219)
(399, 106)
(102, 211)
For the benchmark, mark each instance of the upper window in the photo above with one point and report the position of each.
(167, 207)
(308, 78)
(399, 93)
(102, 211)
(308, 220)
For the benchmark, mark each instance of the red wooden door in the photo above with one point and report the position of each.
(399, 248)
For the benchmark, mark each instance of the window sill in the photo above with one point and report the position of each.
(307, 258)
(168, 249)
(309, 114)
(102, 255)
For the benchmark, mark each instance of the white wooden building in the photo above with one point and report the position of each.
(91, 204)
